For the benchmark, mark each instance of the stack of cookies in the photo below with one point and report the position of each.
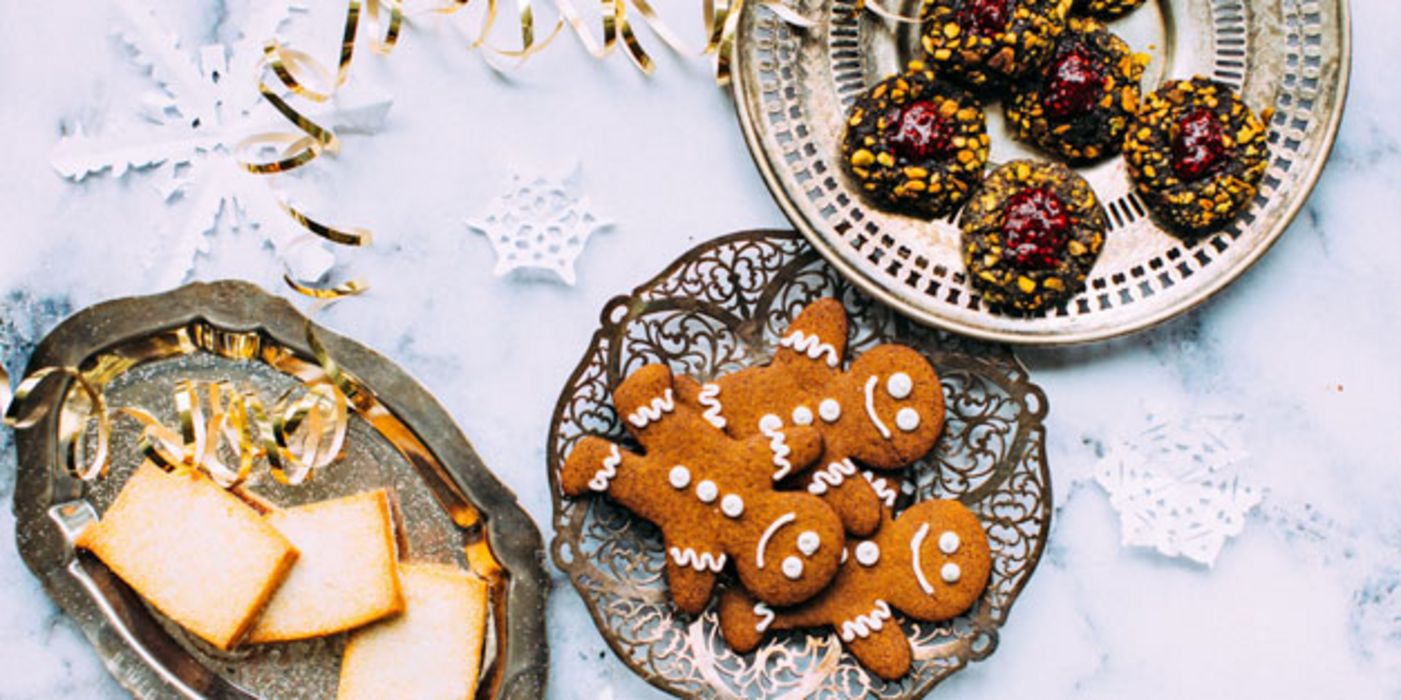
(233, 575)
(783, 479)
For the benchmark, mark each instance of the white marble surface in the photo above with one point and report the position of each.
(1305, 603)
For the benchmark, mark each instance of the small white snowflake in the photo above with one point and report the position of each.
(542, 223)
(1177, 487)
(205, 105)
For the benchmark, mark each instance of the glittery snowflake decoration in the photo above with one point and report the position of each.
(204, 104)
(539, 224)
(1177, 487)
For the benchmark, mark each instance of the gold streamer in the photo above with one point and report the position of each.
(72, 425)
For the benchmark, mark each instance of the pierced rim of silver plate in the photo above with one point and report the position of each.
(792, 87)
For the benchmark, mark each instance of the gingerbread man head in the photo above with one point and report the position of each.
(712, 496)
(885, 411)
(932, 563)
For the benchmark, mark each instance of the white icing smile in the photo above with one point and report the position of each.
(769, 532)
(915, 543)
(871, 407)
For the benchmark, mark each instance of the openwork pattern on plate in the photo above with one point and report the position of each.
(723, 307)
(794, 84)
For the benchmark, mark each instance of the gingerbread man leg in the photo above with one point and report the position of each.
(884, 650)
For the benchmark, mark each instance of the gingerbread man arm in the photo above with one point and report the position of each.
(690, 573)
(817, 335)
(744, 620)
(599, 466)
(791, 450)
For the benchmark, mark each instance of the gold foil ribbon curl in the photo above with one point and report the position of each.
(297, 436)
(301, 75)
(73, 421)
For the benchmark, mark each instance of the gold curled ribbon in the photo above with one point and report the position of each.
(297, 436)
(301, 75)
(73, 423)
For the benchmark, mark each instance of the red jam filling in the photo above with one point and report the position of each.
(1199, 148)
(1076, 84)
(1035, 229)
(920, 134)
(985, 17)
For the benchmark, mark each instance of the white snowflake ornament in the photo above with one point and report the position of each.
(542, 223)
(1177, 487)
(205, 103)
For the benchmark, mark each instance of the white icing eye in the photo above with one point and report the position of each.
(802, 415)
(899, 385)
(950, 573)
(948, 542)
(707, 491)
(907, 419)
(867, 553)
(732, 505)
(793, 568)
(829, 410)
(680, 477)
(843, 555)
(770, 423)
(808, 542)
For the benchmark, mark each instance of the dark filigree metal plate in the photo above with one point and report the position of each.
(451, 508)
(720, 308)
(794, 85)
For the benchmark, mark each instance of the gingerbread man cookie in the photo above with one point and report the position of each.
(885, 412)
(931, 563)
(711, 495)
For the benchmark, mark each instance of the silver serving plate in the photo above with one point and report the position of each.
(792, 87)
(720, 308)
(450, 507)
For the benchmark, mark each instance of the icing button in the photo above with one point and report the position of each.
(867, 553)
(707, 491)
(950, 573)
(808, 542)
(732, 505)
(907, 419)
(680, 477)
(792, 568)
(802, 415)
(770, 423)
(829, 410)
(948, 542)
(899, 385)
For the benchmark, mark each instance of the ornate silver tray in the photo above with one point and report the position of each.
(793, 85)
(449, 505)
(722, 307)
